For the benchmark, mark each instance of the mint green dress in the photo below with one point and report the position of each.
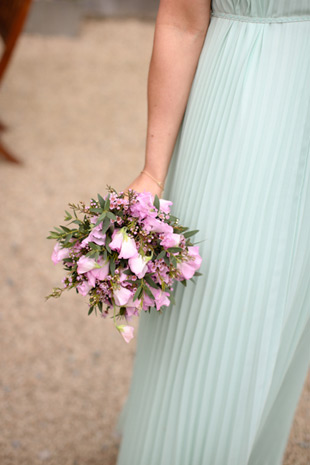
(217, 377)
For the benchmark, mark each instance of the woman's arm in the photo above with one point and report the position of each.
(180, 30)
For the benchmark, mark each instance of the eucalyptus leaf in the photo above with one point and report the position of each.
(161, 255)
(150, 281)
(107, 203)
(105, 225)
(135, 297)
(111, 215)
(148, 292)
(190, 233)
(112, 266)
(101, 201)
(174, 249)
(100, 218)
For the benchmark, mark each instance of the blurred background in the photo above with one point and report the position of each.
(73, 81)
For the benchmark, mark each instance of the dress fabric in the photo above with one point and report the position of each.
(217, 377)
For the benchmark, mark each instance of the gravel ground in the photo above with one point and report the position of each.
(77, 115)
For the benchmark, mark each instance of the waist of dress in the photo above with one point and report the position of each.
(260, 19)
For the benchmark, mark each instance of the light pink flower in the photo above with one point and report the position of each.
(138, 265)
(130, 312)
(126, 331)
(123, 243)
(188, 268)
(153, 224)
(161, 298)
(98, 273)
(84, 288)
(170, 240)
(59, 253)
(143, 206)
(122, 296)
(86, 264)
(95, 236)
(164, 205)
(148, 302)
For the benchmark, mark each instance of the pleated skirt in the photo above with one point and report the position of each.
(217, 377)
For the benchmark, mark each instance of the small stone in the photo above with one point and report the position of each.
(96, 355)
(44, 454)
(16, 443)
(304, 444)
(10, 282)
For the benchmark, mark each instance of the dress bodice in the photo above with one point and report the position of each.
(262, 8)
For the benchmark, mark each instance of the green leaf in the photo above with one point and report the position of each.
(184, 282)
(156, 202)
(111, 216)
(190, 233)
(166, 260)
(136, 294)
(101, 201)
(112, 266)
(174, 249)
(161, 255)
(128, 272)
(148, 292)
(67, 239)
(150, 281)
(197, 273)
(140, 292)
(100, 218)
(91, 309)
(105, 225)
(68, 217)
(107, 203)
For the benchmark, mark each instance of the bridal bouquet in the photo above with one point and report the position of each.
(124, 252)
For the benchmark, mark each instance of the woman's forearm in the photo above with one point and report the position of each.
(178, 41)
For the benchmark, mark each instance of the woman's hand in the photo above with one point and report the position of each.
(144, 183)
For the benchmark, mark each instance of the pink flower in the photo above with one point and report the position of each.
(132, 308)
(161, 298)
(122, 296)
(147, 302)
(86, 264)
(138, 265)
(123, 243)
(164, 205)
(153, 224)
(98, 273)
(84, 288)
(59, 253)
(95, 236)
(170, 240)
(126, 331)
(130, 312)
(188, 268)
(143, 206)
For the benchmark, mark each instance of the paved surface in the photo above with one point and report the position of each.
(77, 113)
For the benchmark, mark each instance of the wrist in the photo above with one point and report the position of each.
(159, 183)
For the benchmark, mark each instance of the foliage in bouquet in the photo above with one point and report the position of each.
(124, 252)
